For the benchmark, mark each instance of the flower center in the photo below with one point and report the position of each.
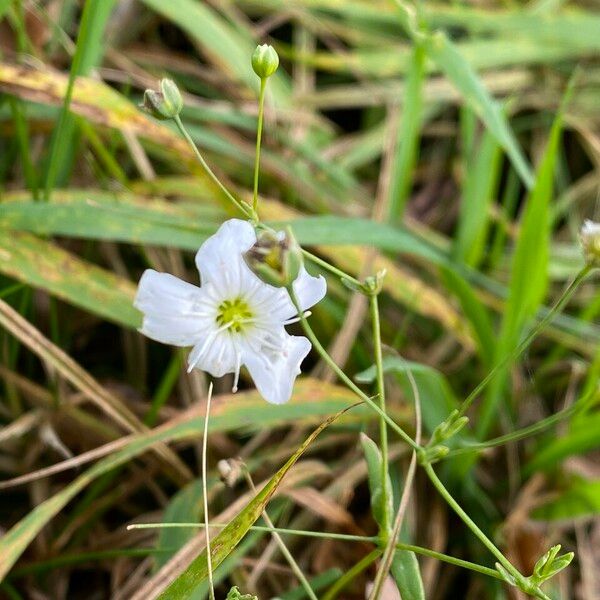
(235, 313)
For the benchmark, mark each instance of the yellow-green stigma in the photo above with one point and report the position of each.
(237, 312)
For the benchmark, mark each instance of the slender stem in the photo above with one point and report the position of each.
(261, 108)
(391, 547)
(243, 207)
(332, 364)
(329, 267)
(211, 587)
(282, 547)
(569, 291)
(472, 525)
(581, 404)
(383, 438)
(335, 536)
(351, 574)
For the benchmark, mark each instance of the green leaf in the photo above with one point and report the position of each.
(383, 512)
(229, 537)
(407, 575)
(407, 142)
(235, 594)
(481, 174)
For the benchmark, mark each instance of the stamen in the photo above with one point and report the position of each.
(295, 319)
(209, 338)
(238, 365)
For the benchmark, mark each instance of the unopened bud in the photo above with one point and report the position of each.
(164, 104)
(550, 564)
(265, 61)
(235, 594)
(276, 258)
(590, 242)
(230, 471)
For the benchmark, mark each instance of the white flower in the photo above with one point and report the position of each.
(234, 319)
(590, 240)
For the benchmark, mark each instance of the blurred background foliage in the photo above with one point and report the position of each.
(441, 145)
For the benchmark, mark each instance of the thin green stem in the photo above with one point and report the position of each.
(520, 580)
(336, 536)
(566, 295)
(336, 369)
(329, 267)
(351, 574)
(261, 108)
(388, 555)
(581, 404)
(242, 207)
(211, 587)
(383, 439)
(282, 547)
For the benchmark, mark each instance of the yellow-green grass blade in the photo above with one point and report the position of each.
(94, 101)
(228, 539)
(312, 401)
(44, 265)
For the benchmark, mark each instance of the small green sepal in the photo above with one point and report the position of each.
(235, 594)
(276, 258)
(550, 564)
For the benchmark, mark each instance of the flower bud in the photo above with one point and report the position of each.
(265, 61)
(165, 104)
(550, 564)
(230, 471)
(235, 594)
(276, 258)
(590, 241)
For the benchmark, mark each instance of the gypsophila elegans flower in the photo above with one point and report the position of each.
(590, 241)
(234, 318)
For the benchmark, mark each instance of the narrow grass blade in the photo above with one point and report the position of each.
(407, 143)
(529, 272)
(228, 539)
(88, 52)
(227, 415)
(44, 265)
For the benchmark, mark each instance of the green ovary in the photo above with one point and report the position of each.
(237, 312)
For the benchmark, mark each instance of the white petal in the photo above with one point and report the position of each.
(170, 308)
(309, 290)
(219, 259)
(274, 373)
(216, 354)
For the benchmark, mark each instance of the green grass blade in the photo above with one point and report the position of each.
(407, 143)
(88, 52)
(481, 169)
(444, 53)
(243, 410)
(227, 540)
(529, 272)
(42, 264)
